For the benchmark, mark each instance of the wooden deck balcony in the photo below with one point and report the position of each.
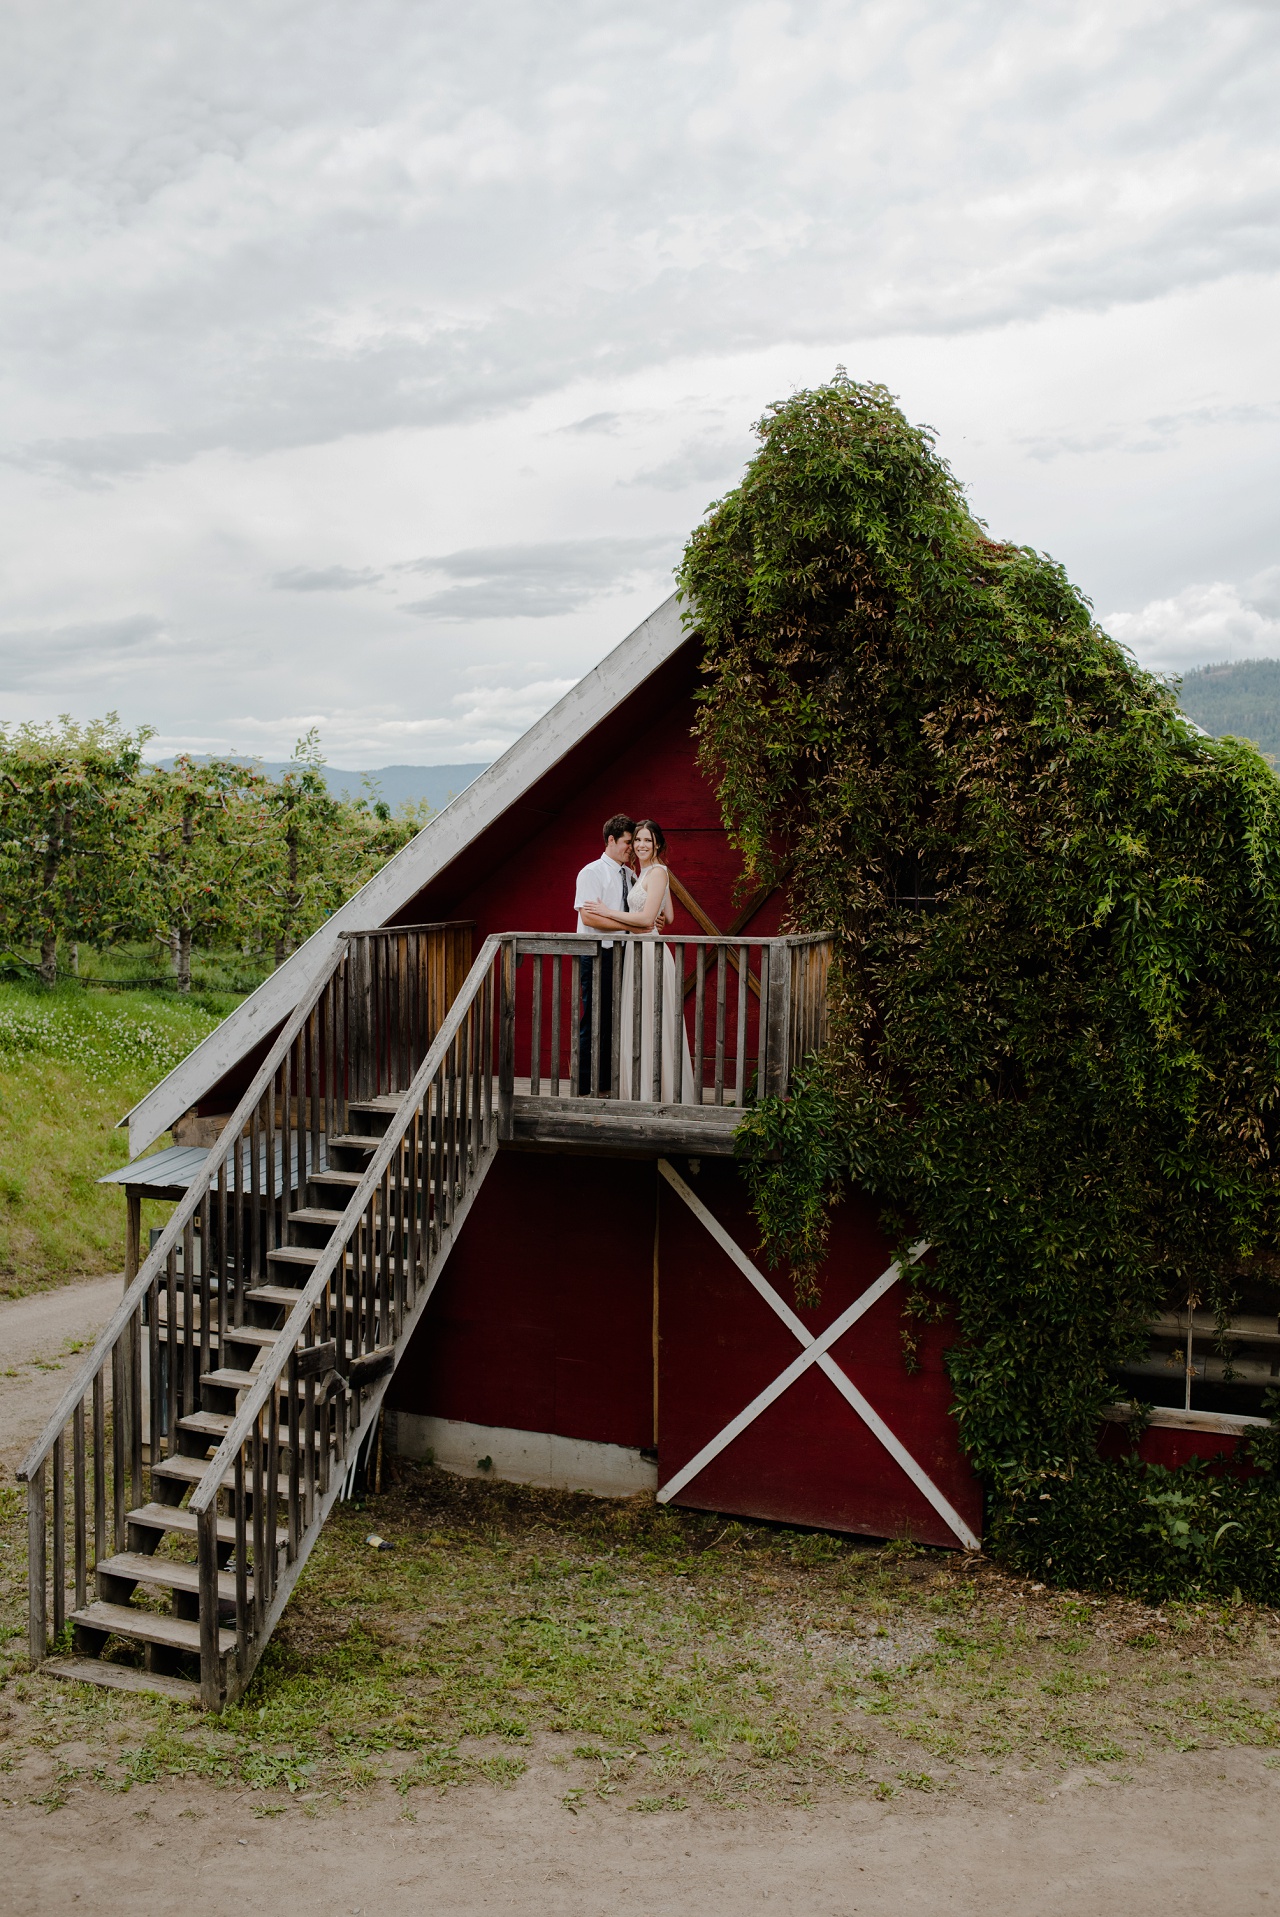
(749, 1009)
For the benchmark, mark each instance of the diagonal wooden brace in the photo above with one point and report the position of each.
(814, 1351)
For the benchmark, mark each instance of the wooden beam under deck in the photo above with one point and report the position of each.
(632, 1130)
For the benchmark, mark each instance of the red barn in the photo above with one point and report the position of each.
(394, 1199)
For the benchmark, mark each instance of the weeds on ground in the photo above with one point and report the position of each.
(658, 1658)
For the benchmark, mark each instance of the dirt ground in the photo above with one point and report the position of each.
(1203, 1836)
(1193, 1830)
(38, 1336)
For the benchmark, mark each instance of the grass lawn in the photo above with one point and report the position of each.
(72, 1062)
(658, 1658)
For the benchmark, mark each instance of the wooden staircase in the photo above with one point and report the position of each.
(247, 1363)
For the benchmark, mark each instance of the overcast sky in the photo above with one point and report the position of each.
(366, 366)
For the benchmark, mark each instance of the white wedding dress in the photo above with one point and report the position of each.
(641, 953)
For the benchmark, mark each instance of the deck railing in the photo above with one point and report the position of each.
(749, 1008)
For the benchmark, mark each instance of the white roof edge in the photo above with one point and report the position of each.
(440, 841)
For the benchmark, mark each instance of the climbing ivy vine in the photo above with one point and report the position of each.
(1056, 909)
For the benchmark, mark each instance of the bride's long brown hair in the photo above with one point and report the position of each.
(659, 838)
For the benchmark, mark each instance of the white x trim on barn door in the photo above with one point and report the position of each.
(813, 1351)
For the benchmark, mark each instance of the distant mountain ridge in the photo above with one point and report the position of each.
(437, 784)
(1241, 697)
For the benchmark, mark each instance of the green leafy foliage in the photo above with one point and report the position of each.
(1056, 981)
(1144, 1530)
(66, 832)
(203, 854)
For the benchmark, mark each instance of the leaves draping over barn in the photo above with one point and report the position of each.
(1057, 911)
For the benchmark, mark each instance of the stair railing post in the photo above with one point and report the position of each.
(778, 1067)
(507, 1041)
(59, 1537)
(37, 1570)
(207, 1557)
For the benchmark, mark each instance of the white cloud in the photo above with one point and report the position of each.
(287, 294)
(324, 578)
(710, 457)
(505, 711)
(1204, 624)
(377, 217)
(540, 581)
(104, 651)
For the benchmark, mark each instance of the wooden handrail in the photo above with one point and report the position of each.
(182, 1216)
(266, 1380)
(393, 931)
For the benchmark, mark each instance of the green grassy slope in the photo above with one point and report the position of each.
(72, 1061)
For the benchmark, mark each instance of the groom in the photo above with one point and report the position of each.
(606, 881)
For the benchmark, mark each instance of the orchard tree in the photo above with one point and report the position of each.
(303, 887)
(203, 851)
(326, 848)
(66, 832)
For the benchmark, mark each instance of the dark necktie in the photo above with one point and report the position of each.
(626, 888)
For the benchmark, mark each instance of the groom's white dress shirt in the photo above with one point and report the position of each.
(602, 880)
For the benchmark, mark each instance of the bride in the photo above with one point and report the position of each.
(648, 905)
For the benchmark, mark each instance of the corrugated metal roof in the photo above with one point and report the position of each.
(179, 1166)
(176, 1165)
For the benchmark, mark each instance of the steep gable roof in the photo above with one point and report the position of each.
(444, 837)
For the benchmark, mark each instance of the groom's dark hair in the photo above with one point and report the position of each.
(617, 825)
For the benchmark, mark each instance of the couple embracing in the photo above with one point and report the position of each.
(628, 890)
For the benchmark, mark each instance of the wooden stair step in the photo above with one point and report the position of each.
(209, 1424)
(286, 1296)
(167, 1573)
(175, 1633)
(191, 1470)
(315, 1215)
(386, 1102)
(172, 1517)
(122, 1677)
(214, 1426)
(347, 1179)
(356, 1141)
(280, 1294)
(234, 1334)
(296, 1255)
(228, 1379)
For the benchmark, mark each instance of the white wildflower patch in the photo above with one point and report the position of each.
(101, 1037)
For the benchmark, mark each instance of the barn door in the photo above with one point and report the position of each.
(805, 1416)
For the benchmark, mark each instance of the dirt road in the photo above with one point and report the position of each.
(36, 1360)
(1189, 1834)
(1203, 1836)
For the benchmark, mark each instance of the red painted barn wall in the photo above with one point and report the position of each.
(522, 878)
(809, 1458)
(518, 875)
(543, 1321)
(1166, 1445)
(543, 1317)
